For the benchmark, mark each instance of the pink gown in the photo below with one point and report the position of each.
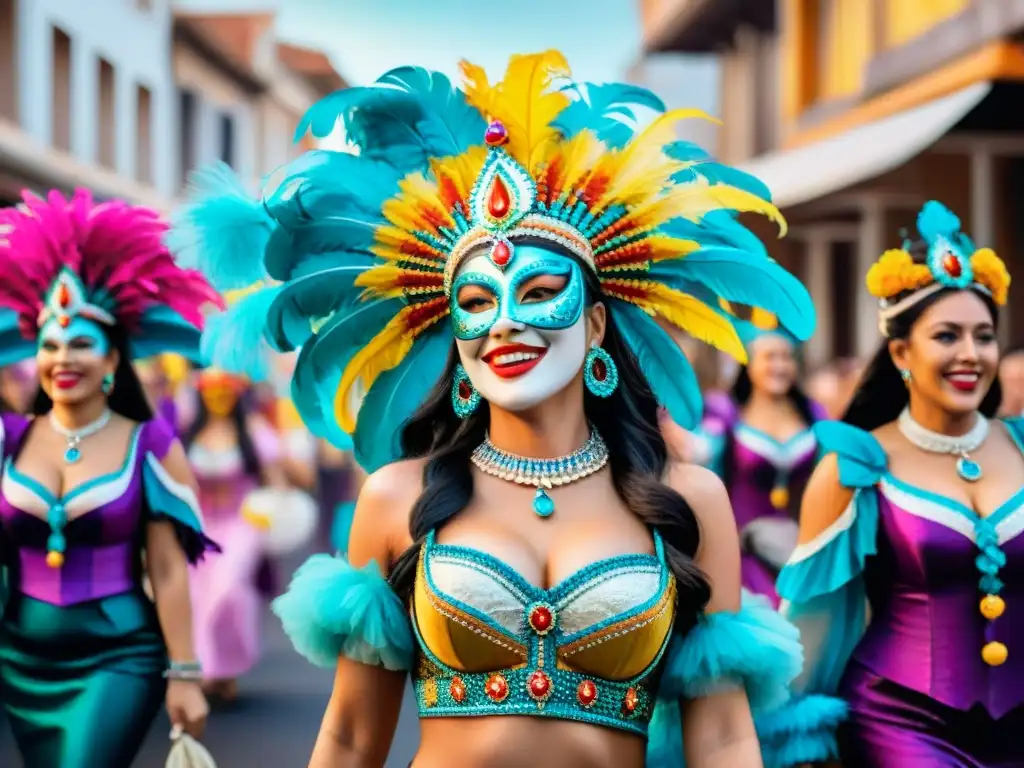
(227, 606)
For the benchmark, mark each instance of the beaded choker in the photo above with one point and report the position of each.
(73, 452)
(542, 474)
(961, 447)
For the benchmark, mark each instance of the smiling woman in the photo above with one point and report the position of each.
(475, 295)
(917, 513)
(92, 483)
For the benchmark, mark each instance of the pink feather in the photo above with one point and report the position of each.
(116, 249)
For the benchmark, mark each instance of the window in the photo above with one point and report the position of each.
(107, 134)
(188, 111)
(143, 134)
(8, 78)
(61, 115)
(227, 139)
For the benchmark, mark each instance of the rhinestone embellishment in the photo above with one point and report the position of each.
(496, 688)
(541, 619)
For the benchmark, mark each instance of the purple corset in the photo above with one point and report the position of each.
(760, 464)
(101, 557)
(926, 631)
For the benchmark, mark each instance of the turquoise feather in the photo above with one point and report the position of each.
(395, 396)
(342, 526)
(333, 609)
(318, 294)
(464, 124)
(936, 220)
(609, 111)
(163, 331)
(236, 340)
(665, 367)
(221, 231)
(715, 172)
(743, 278)
(718, 228)
(14, 347)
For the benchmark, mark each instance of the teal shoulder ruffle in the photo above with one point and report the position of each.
(754, 648)
(800, 732)
(333, 609)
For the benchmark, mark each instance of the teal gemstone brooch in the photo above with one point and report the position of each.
(542, 474)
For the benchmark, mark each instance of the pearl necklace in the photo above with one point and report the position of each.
(75, 436)
(542, 474)
(935, 442)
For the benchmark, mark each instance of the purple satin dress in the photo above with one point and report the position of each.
(754, 465)
(920, 694)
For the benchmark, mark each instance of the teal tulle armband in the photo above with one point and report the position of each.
(802, 731)
(754, 648)
(332, 609)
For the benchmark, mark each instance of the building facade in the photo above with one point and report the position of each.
(855, 112)
(87, 97)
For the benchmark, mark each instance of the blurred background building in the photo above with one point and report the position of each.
(125, 96)
(855, 112)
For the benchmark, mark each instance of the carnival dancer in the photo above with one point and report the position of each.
(92, 482)
(233, 451)
(475, 294)
(758, 439)
(916, 514)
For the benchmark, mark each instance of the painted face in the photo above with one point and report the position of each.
(522, 333)
(220, 393)
(952, 353)
(73, 360)
(772, 367)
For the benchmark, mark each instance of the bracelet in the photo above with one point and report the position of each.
(184, 670)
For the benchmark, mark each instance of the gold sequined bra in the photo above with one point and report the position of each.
(491, 643)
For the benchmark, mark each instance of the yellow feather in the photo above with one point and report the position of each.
(665, 247)
(696, 318)
(580, 154)
(381, 282)
(526, 103)
(385, 351)
(478, 90)
(698, 198)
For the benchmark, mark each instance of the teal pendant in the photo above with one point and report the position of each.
(542, 503)
(72, 455)
(968, 469)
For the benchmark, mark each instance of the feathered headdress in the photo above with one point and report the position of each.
(63, 258)
(898, 282)
(361, 247)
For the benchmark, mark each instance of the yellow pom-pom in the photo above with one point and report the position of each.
(990, 271)
(894, 273)
(779, 498)
(992, 607)
(257, 520)
(994, 654)
(54, 559)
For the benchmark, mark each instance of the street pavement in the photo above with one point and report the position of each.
(272, 725)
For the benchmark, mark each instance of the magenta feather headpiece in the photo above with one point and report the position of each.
(110, 256)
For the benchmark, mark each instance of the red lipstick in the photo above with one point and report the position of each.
(512, 360)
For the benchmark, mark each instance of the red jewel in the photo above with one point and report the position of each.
(497, 688)
(498, 199)
(600, 370)
(501, 253)
(496, 134)
(63, 295)
(64, 321)
(586, 693)
(951, 264)
(539, 686)
(457, 689)
(631, 701)
(464, 391)
(541, 619)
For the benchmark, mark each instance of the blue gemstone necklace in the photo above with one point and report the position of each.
(542, 474)
(75, 436)
(962, 446)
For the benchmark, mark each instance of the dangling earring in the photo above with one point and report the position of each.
(905, 375)
(599, 372)
(108, 384)
(465, 398)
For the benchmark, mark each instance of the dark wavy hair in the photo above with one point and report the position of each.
(628, 422)
(881, 393)
(239, 419)
(127, 398)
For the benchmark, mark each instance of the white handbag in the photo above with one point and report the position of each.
(186, 752)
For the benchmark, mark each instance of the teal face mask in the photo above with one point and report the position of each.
(54, 333)
(554, 314)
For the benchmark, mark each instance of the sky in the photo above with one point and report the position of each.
(600, 38)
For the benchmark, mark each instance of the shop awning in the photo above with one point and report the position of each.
(806, 173)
